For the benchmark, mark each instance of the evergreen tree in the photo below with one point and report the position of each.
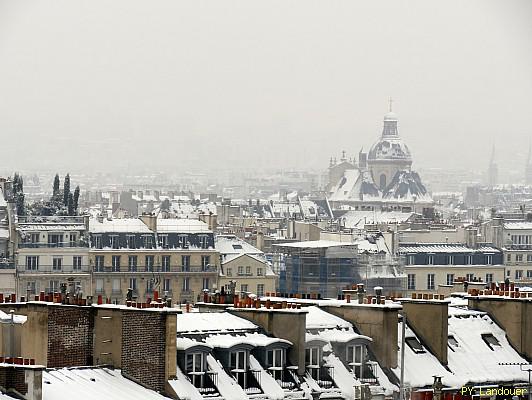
(19, 202)
(70, 204)
(55, 193)
(18, 194)
(66, 189)
(76, 198)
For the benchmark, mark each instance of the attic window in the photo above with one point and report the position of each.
(452, 342)
(237, 246)
(414, 345)
(490, 340)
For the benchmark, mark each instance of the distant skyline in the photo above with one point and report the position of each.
(250, 84)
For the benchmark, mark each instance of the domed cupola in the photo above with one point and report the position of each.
(389, 154)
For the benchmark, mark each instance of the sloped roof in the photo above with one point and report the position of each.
(406, 186)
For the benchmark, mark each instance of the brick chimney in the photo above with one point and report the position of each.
(150, 220)
(429, 320)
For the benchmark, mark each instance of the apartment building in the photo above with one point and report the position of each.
(52, 251)
(245, 265)
(517, 248)
(175, 257)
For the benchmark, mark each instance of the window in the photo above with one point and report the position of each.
(237, 246)
(116, 286)
(470, 277)
(32, 263)
(229, 272)
(163, 241)
(147, 241)
(414, 344)
(57, 263)
(149, 285)
(355, 358)
(519, 258)
(489, 259)
(312, 356)
(529, 258)
(195, 368)
(166, 263)
(518, 274)
(275, 358)
(204, 241)
(182, 241)
(240, 271)
(248, 270)
(149, 263)
(490, 340)
(410, 259)
(34, 238)
(115, 263)
(451, 260)
(99, 285)
(130, 241)
(55, 240)
(489, 278)
(132, 263)
(430, 259)
(469, 259)
(452, 342)
(430, 281)
(529, 273)
(450, 279)
(166, 285)
(54, 286)
(31, 287)
(115, 242)
(244, 288)
(76, 263)
(186, 284)
(260, 289)
(205, 284)
(72, 239)
(238, 360)
(98, 263)
(509, 258)
(411, 281)
(205, 262)
(97, 241)
(185, 262)
(260, 271)
(508, 273)
(133, 284)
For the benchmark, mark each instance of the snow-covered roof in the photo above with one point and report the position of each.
(183, 343)
(93, 383)
(253, 339)
(50, 226)
(443, 248)
(356, 219)
(319, 319)
(212, 322)
(17, 319)
(315, 244)
(179, 225)
(230, 244)
(117, 225)
(518, 225)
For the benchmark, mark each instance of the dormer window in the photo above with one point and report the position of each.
(490, 340)
(238, 360)
(147, 241)
(414, 344)
(195, 368)
(355, 358)
(183, 241)
(115, 243)
(130, 241)
(275, 358)
(163, 241)
(204, 241)
(452, 342)
(312, 357)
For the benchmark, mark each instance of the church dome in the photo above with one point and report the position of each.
(390, 146)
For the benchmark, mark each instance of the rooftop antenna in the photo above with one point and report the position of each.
(390, 101)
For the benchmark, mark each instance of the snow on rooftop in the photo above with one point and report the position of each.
(93, 383)
(358, 219)
(230, 244)
(443, 248)
(253, 339)
(314, 244)
(212, 322)
(17, 319)
(181, 225)
(118, 225)
(520, 225)
(319, 319)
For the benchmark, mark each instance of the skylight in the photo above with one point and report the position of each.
(490, 340)
(452, 342)
(237, 246)
(414, 345)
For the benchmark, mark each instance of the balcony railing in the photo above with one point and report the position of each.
(323, 375)
(206, 382)
(248, 380)
(369, 373)
(158, 270)
(39, 245)
(285, 377)
(7, 264)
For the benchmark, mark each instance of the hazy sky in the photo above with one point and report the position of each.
(112, 84)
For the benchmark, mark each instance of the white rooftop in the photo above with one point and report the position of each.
(212, 322)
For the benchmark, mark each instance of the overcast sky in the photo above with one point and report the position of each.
(172, 84)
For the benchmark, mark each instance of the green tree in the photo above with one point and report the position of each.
(76, 198)
(66, 189)
(55, 192)
(70, 204)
